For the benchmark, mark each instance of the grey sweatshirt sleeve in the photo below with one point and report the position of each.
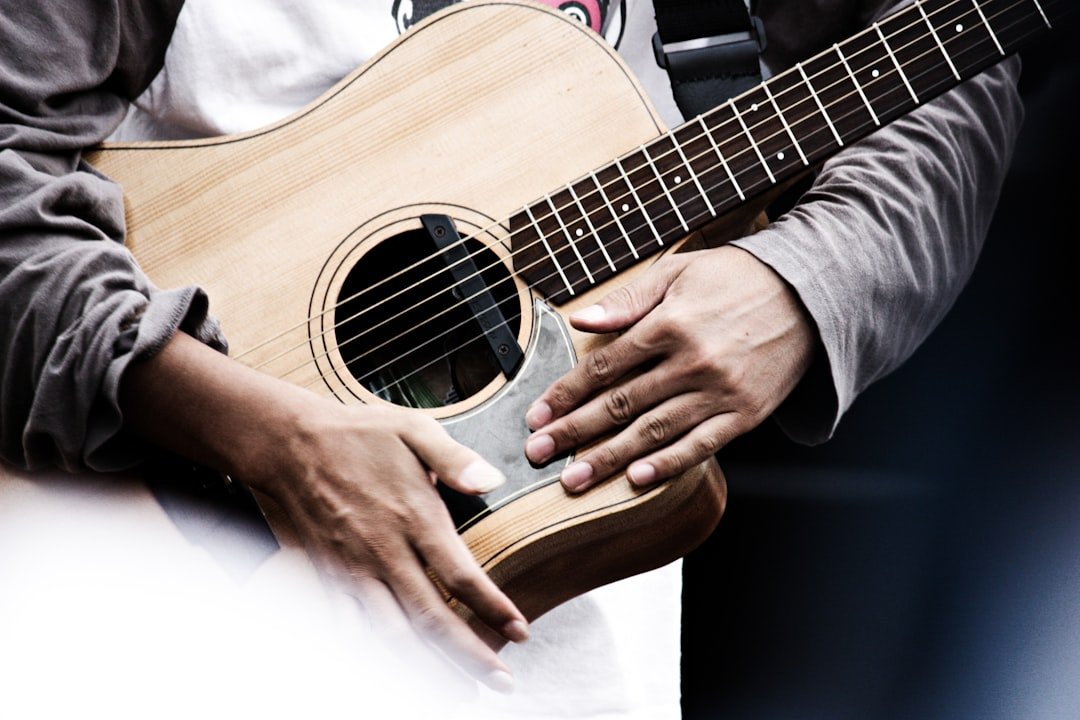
(77, 310)
(882, 244)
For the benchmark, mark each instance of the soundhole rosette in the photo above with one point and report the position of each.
(388, 324)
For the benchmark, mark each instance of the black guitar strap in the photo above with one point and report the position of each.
(710, 50)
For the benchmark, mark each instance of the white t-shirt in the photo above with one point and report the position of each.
(236, 66)
(240, 65)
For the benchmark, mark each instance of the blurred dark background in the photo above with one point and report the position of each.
(925, 563)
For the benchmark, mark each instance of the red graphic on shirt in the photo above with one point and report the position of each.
(591, 13)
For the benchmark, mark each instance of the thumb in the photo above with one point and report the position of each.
(624, 307)
(454, 464)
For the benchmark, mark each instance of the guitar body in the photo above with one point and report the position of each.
(324, 246)
(292, 229)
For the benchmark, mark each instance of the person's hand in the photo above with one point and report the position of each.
(356, 484)
(712, 342)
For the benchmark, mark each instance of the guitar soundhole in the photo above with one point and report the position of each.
(406, 333)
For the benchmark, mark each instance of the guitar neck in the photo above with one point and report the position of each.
(600, 224)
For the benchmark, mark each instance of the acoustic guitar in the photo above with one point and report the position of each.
(419, 243)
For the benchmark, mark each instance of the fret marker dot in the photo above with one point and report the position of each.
(678, 179)
(753, 108)
(959, 27)
(579, 232)
(625, 207)
(779, 156)
(874, 72)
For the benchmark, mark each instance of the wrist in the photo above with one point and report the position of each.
(201, 405)
(270, 428)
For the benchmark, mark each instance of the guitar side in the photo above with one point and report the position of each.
(480, 109)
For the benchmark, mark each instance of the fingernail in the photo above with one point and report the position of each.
(593, 313)
(539, 448)
(500, 681)
(516, 631)
(641, 474)
(576, 475)
(480, 477)
(538, 415)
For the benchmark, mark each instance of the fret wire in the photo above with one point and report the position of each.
(858, 87)
(828, 119)
(976, 64)
(690, 169)
(1045, 19)
(547, 247)
(614, 215)
(749, 137)
(780, 114)
(663, 186)
(956, 74)
(592, 229)
(969, 35)
(993, 35)
(825, 114)
(633, 192)
(900, 70)
(734, 182)
(915, 45)
(706, 129)
(708, 134)
(813, 93)
(821, 107)
(570, 240)
(720, 155)
(925, 53)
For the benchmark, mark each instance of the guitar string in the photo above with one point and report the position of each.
(591, 254)
(601, 190)
(460, 324)
(555, 477)
(477, 337)
(447, 332)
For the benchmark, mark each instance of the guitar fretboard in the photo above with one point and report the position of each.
(602, 223)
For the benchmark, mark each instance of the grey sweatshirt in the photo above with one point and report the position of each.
(877, 250)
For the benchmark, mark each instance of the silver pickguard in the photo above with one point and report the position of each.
(497, 428)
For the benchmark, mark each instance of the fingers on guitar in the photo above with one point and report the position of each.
(649, 431)
(464, 580)
(598, 371)
(696, 446)
(660, 444)
(604, 414)
(434, 620)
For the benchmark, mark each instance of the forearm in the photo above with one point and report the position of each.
(355, 483)
(885, 240)
(201, 405)
(77, 311)
(76, 307)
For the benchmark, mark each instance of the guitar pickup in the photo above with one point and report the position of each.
(475, 292)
